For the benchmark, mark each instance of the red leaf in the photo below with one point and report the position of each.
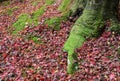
(4, 55)
(106, 34)
(112, 76)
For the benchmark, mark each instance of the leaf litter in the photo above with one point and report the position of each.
(24, 60)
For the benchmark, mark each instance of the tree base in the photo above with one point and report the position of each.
(86, 26)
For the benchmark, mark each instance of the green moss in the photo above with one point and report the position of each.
(119, 51)
(54, 22)
(86, 26)
(24, 74)
(21, 22)
(5, 3)
(72, 63)
(78, 4)
(49, 2)
(11, 10)
(35, 39)
(37, 14)
(110, 57)
(73, 42)
(65, 15)
(26, 18)
(115, 27)
(35, 3)
(64, 5)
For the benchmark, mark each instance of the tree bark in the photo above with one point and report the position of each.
(89, 24)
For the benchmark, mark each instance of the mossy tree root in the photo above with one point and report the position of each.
(86, 26)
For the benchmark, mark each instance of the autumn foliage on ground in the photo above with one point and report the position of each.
(22, 59)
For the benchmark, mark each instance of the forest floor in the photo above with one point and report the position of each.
(35, 52)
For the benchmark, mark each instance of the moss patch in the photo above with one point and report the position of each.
(35, 39)
(115, 27)
(78, 4)
(5, 3)
(35, 3)
(33, 19)
(119, 51)
(26, 18)
(65, 9)
(54, 22)
(11, 10)
(37, 14)
(73, 39)
(49, 2)
(21, 22)
(64, 5)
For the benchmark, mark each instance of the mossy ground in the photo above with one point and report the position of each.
(11, 10)
(55, 21)
(33, 18)
(115, 27)
(30, 19)
(64, 5)
(23, 19)
(49, 2)
(119, 51)
(26, 18)
(5, 3)
(37, 14)
(35, 3)
(66, 9)
(35, 39)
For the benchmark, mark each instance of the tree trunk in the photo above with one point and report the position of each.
(89, 24)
